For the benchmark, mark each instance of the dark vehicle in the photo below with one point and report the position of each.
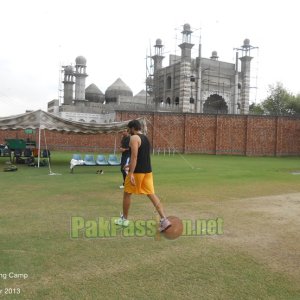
(18, 148)
(4, 150)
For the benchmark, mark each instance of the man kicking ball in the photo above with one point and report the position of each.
(139, 179)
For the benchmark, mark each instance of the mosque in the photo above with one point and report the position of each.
(201, 85)
(187, 84)
(90, 104)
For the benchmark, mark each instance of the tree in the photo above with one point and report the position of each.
(280, 101)
(276, 102)
(256, 109)
(294, 105)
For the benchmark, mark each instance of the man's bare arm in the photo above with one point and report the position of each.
(134, 146)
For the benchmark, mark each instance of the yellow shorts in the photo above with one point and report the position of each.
(143, 184)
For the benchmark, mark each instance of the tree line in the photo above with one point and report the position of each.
(278, 102)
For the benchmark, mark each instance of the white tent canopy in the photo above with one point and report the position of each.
(44, 120)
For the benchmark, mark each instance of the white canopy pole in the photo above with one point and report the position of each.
(115, 144)
(39, 147)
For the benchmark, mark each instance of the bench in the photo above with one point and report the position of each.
(89, 161)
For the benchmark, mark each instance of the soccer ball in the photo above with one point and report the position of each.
(175, 230)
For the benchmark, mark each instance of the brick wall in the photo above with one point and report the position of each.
(190, 133)
(231, 135)
(68, 141)
(222, 134)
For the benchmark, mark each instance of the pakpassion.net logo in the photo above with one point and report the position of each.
(103, 227)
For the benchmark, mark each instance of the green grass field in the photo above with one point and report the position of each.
(257, 256)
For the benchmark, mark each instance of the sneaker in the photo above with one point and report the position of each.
(122, 221)
(164, 224)
(122, 186)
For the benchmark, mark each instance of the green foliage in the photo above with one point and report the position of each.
(256, 109)
(280, 101)
(294, 104)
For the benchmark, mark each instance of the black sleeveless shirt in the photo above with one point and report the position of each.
(143, 164)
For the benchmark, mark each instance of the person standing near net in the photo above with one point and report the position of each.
(139, 179)
(125, 154)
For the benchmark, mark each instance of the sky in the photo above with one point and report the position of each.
(116, 36)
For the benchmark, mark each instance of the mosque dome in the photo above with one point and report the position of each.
(141, 97)
(187, 27)
(142, 93)
(158, 42)
(80, 60)
(118, 88)
(214, 55)
(246, 42)
(94, 94)
(69, 70)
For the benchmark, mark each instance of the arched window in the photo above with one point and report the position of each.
(169, 82)
(81, 120)
(177, 101)
(168, 101)
(215, 104)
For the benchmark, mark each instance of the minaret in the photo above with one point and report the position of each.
(157, 58)
(185, 68)
(236, 85)
(199, 102)
(68, 84)
(80, 75)
(245, 76)
(186, 46)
